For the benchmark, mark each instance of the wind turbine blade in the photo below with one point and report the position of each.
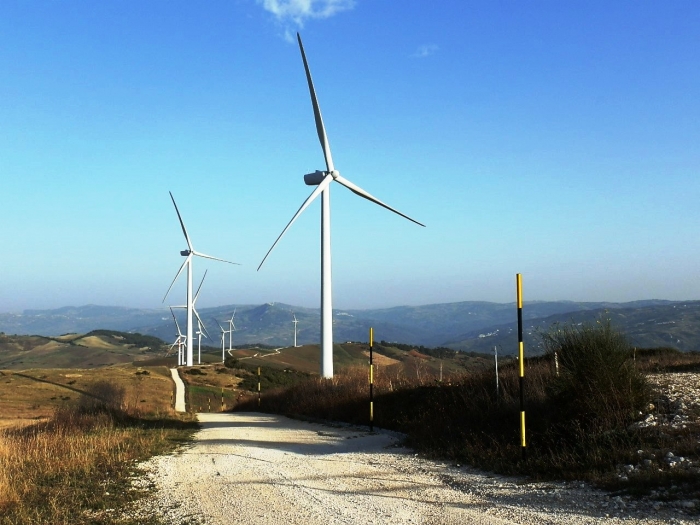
(200, 287)
(179, 333)
(184, 230)
(199, 320)
(205, 256)
(324, 184)
(220, 327)
(320, 128)
(362, 193)
(176, 276)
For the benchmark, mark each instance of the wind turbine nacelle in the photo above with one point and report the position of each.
(315, 178)
(185, 253)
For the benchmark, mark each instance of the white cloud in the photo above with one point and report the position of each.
(426, 50)
(298, 11)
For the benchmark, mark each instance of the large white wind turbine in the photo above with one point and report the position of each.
(322, 181)
(189, 253)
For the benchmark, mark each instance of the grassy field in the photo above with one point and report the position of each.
(33, 395)
(70, 440)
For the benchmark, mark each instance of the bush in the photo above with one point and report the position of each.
(102, 396)
(597, 382)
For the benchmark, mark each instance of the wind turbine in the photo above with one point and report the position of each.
(201, 329)
(231, 329)
(178, 341)
(295, 330)
(322, 181)
(223, 341)
(189, 253)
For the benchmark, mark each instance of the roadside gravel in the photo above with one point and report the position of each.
(265, 469)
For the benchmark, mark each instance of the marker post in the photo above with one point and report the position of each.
(521, 362)
(371, 381)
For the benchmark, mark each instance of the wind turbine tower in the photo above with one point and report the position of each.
(322, 180)
(188, 253)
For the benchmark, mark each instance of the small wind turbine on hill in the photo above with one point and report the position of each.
(223, 341)
(295, 330)
(231, 329)
(189, 253)
(179, 341)
(322, 181)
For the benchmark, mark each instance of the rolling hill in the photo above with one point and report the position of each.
(470, 325)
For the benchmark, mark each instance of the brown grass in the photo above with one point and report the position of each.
(34, 395)
(75, 465)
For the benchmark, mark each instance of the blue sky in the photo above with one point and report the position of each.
(555, 139)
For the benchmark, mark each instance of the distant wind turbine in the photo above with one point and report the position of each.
(189, 253)
(295, 330)
(223, 341)
(179, 341)
(322, 181)
(231, 329)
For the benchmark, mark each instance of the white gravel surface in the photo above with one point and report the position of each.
(264, 469)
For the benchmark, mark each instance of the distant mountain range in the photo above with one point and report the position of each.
(469, 326)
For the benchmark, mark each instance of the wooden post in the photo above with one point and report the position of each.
(371, 381)
(521, 362)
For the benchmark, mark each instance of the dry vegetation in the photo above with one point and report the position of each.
(75, 464)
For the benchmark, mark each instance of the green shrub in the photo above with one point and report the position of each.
(597, 383)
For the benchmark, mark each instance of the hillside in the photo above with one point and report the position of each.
(469, 325)
(95, 349)
(674, 325)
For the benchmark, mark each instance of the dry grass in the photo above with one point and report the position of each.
(75, 464)
(34, 395)
(205, 386)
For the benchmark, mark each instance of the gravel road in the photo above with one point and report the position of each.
(264, 469)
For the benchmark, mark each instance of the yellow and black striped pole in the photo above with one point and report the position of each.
(521, 362)
(371, 382)
(258, 386)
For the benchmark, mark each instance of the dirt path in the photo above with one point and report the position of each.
(179, 391)
(267, 470)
